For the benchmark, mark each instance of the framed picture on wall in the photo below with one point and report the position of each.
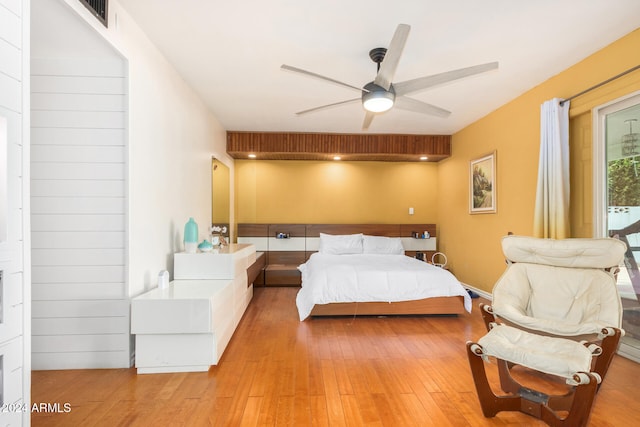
(482, 184)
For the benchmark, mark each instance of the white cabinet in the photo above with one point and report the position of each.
(224, 263)
(187, 326)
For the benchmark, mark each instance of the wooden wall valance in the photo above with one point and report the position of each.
(350, 147)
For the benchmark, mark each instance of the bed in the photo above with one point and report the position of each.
(359, 274)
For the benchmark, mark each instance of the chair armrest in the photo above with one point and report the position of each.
(487, 315)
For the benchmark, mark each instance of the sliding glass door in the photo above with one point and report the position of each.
(617, 202)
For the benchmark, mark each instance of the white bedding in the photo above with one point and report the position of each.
(370, 278)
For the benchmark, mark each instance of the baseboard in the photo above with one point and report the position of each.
(483, 294)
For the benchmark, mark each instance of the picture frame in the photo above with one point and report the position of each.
(482, 184)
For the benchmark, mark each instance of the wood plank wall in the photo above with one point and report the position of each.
(78, 198)
(322, 146)
(15, 375)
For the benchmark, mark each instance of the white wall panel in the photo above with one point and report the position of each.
(77, 136)
(11, 28)
(14, 133)
(103, 67)
(76, 101)
(11, 325)
(14, 180)
(69, 343)
(15, 338)
(89, 325)
(77, 188)
(78, 119)
(75, 84)
(14, 286)
(78, 257)
(70, 222)
(95, 171)
(12, 306)
(261, 243)
(14, 6)
(77, 205)
(77, 274)
(10, 64)
(68, 240)
(73, 222)
(11, 93)
(79, 360)
(76, 292)
(80, 154)
(80, 309)
(11, 352)
(291, 244)
(16, 219)
(78, 208)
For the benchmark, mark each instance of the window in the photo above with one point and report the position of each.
(617, 201)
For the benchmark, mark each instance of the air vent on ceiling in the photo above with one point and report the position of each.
(99, 8)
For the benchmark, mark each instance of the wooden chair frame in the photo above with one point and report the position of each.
(572, 405)
(577, 401)
(608, 344)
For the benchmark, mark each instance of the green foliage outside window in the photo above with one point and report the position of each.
(624, 182)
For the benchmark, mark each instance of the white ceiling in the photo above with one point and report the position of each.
(230, 52)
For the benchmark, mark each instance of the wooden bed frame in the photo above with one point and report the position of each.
(311, 232)
(435, 305)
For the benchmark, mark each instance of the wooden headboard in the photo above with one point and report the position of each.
(298, 241)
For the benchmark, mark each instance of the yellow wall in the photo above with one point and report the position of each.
(472, 242)
(335, 192)
(379, 192)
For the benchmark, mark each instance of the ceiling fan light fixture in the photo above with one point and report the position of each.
(378, 102)
(376, 99)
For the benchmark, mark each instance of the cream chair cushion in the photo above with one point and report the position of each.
(559, 286)
(556, 356)
(585, 253)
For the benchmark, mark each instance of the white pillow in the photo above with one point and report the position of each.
(382, 245)
(340, 244)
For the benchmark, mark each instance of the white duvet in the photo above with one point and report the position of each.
(370, 278)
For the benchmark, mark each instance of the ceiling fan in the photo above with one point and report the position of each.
(382, 94)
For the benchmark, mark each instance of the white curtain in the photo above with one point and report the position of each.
(551, 217)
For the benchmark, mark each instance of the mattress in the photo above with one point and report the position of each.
(372, 278)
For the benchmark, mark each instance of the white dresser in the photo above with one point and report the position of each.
(187, 326)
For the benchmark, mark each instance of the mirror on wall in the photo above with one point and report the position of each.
(220, 197)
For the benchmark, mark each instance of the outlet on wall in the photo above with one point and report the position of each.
(410, 211)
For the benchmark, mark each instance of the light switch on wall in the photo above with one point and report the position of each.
(410, 211)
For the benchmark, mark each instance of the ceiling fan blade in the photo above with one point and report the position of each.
(368, 118)
(392, 57)
(421, 83)
(318, 76)
(410, 104)
(322, 107)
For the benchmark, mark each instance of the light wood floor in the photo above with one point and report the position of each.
(395, 371)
